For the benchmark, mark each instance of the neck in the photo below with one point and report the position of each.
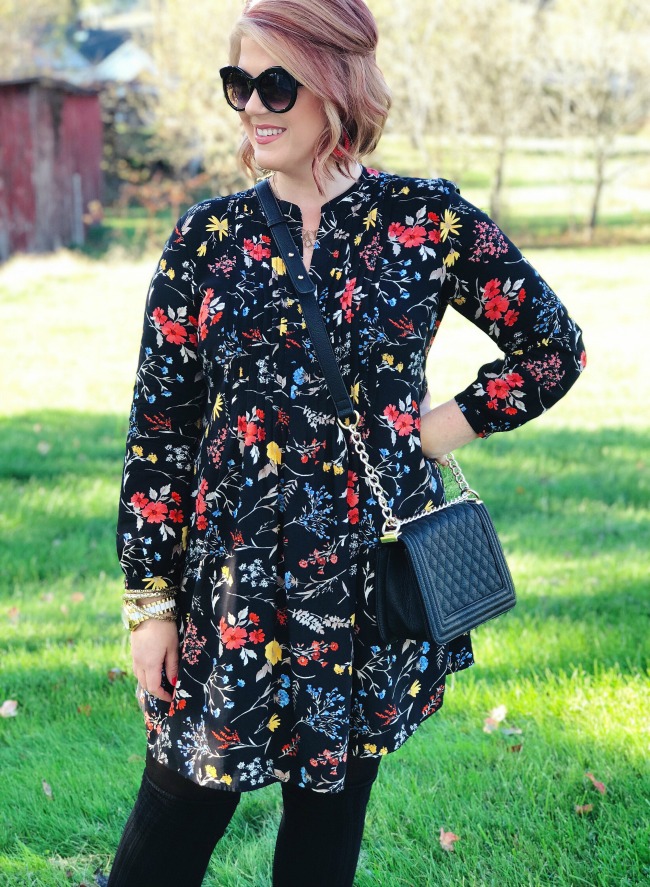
(303, 191)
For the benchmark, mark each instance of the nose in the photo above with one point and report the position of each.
(254, 105)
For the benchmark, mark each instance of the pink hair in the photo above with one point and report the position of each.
(329, 47)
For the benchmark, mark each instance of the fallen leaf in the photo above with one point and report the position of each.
(515, 747)
(581, 809)
(77, 596)
(599, 786)
(13, 614)
(447, 839)
(115, 674)
(47, 789)
(84, 709)
(9, 708)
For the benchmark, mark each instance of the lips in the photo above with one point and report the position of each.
(266, 134)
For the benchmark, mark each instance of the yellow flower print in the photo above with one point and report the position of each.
(278, 266)
(399, 367)
(369, 746)
(357, 240)
(274, 452)
(338, 469)
(415, 688)
(383, 750)
(273, 652)
(390, 360)
(460, 300)
(339, 669)
(152, 458)
(273, 723)
(226, 778)
(352, 618)
(283, 326)
(354, 392)
(218, 406)
(336, 272)
(451, 257)
(171, 274)
(405, 190)
(450, 224)
(201, 251)
(211, 771)
(327, 466)
(371, 219)
(217, 226)
(185, 532)
(163, 264)
(137, 450)
(225, 574)
(155, 583)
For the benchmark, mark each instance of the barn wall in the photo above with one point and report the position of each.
(17, 199)
(50, 166)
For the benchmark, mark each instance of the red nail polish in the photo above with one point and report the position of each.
(173, 681)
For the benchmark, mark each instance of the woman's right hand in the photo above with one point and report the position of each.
(154, 644)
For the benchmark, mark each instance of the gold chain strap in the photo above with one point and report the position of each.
(392, 524)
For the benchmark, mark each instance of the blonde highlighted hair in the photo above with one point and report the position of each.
(329, 47)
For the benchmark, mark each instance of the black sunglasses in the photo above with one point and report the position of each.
(276, 88)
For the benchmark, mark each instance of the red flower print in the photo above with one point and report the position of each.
(257, 251)
(391, 412)
(174, 332)
(492, 288)
(433, 217)
(159, 316)
(514, 380)
(257, 636)
(233, 636)
(495, 307)
(498, 388)
(352, 498)
(155, 512)
(510, 411)
(353, 515)
(404, 424)
(177, 498)
(414, 236)
(492, 405)
(302, 660)
(395, 230)
(522, 295)
(334, 646)
(201, 522)
(176, 515)
(254, 618)
(583, 359)
(205, 305)
(336, 254)
(434, 236)
(139, 500)
(511, 317)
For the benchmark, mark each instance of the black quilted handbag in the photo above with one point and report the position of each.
(441, 573)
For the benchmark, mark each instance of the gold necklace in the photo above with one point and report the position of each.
(309, 237)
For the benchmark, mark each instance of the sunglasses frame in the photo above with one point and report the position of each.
(253, 85)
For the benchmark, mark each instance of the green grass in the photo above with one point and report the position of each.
(569, 494)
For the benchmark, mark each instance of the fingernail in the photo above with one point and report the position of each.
(173, 681)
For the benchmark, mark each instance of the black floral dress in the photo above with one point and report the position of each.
(241, 493)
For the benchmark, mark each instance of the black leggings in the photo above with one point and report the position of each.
(175, 825)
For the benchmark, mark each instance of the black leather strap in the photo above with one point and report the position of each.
(306, 291)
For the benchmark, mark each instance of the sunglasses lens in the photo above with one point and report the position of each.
(276, 90)
(237, 90)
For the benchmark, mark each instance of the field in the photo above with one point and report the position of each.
(570, 495)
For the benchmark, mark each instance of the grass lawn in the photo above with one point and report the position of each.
(569, 494)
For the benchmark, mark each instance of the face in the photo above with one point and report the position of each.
(293, 148)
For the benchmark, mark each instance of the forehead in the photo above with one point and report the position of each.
(253, 58)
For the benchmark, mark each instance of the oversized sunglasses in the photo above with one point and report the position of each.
(276, 88)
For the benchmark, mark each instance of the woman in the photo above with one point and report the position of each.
(246, 529)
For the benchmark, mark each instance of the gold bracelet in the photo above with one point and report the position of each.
(134, 614)
(140, 595)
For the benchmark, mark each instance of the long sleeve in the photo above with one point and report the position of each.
(487, 279)
(165, 420)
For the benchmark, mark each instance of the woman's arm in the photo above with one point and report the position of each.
(443, 429)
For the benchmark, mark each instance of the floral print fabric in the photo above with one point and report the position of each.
(241, 493)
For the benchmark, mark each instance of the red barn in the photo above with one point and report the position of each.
(50, 163)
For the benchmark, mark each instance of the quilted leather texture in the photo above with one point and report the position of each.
(445, 575)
